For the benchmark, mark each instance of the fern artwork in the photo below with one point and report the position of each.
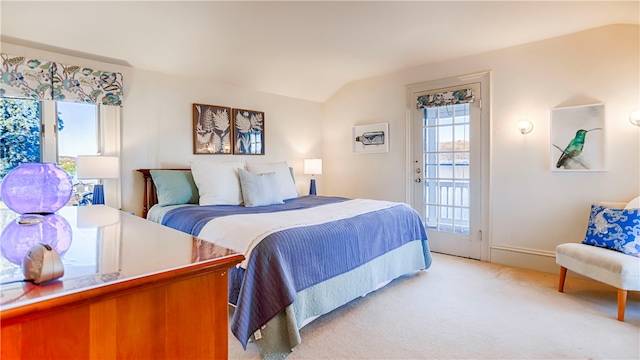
(248, 127)
(211, 129)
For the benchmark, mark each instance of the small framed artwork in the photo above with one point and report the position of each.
(577, 138)
(372, 138)
(211, 129)
(248, 132)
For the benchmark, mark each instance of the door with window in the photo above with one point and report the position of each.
(447, 166)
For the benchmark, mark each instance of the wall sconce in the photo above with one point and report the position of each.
(634, 118)
(525, 126)
(312, 167)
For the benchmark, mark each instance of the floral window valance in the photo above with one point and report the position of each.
(462, 96)
(45, 80)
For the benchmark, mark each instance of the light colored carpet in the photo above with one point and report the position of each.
(467, 309)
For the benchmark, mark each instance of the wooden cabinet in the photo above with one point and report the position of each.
(176, 312)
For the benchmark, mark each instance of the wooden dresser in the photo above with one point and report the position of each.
(132, 289)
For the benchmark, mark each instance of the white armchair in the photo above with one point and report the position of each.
(611, 267)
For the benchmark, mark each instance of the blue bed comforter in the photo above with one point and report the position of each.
(292, 260)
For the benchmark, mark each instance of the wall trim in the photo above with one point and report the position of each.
(524, 250)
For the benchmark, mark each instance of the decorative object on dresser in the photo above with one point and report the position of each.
(36, 188)
(96, 167)
(248, 130)
(211, 129)
(312, 167)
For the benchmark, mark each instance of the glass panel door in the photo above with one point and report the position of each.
(446, 164)
(447, 169)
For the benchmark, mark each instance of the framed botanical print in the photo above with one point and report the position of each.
(211, 129)
(248, 132)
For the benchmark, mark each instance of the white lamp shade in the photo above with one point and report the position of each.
(97, 167)
(312, 166)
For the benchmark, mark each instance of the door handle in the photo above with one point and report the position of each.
(418, 180)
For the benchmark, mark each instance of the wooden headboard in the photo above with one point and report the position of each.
(150, 197)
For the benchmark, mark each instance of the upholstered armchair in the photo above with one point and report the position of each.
(610, 251)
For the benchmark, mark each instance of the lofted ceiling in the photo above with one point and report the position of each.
(301, 49)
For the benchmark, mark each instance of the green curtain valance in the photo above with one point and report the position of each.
(462, 96)
(45, 80)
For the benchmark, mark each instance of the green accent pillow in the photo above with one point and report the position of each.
(175, 187)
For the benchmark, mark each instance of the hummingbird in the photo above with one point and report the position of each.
(574, 148)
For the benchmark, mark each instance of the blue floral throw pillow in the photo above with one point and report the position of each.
(614, 229)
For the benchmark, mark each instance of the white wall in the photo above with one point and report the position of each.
(532, 208)
(157, 122)
(158, 125)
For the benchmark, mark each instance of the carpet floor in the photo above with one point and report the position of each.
(467, 309)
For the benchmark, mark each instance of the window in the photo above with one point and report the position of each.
(47, 131)
(78, 133)
(19, 133)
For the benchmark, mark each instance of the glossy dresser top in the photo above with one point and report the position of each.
(101, 249)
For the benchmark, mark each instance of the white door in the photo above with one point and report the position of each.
(447, 167)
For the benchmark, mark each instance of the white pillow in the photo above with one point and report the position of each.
(283, 174)
(259, 190)
(218, 182)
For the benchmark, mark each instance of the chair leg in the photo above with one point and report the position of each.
(563, 275)
(622, 303)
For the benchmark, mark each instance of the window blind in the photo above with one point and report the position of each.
(446, 98)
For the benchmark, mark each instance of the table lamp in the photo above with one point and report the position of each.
(36, 188)
(97, 167)
(312, 167)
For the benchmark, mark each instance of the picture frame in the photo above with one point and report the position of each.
(373, 138)
(248, 132)
(577, 138)
(212, 132)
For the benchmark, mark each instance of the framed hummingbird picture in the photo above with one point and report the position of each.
(577, 138)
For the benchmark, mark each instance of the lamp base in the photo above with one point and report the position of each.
(98, 195)
(312, 187)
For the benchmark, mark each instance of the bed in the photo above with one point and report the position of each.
(304, 255)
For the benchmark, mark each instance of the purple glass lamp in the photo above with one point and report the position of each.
(36, 188)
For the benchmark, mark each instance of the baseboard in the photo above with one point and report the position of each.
(532, 259)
